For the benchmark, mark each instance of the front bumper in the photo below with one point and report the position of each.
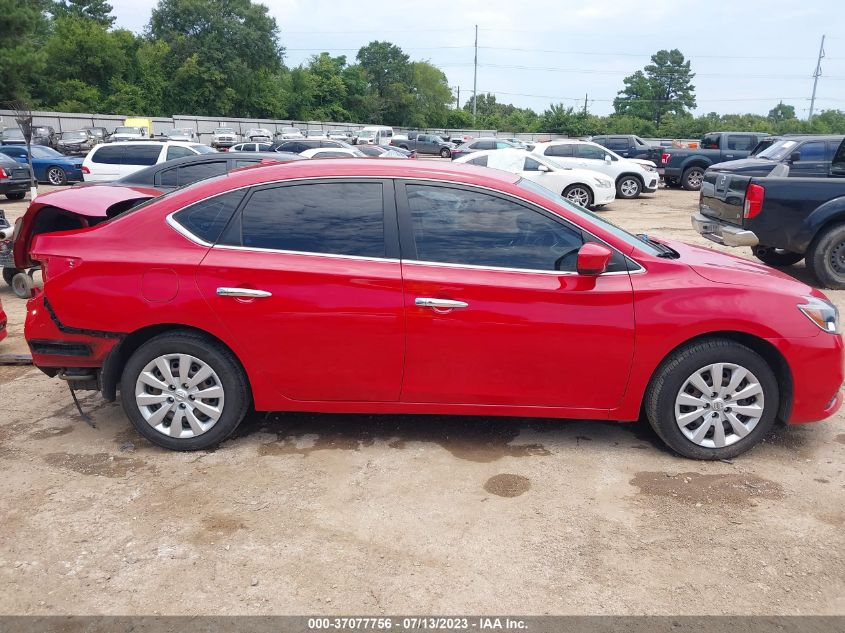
(817, 365)
(604, 195)
(722, 232)
(651, 182)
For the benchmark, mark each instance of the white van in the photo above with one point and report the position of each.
(107, 162)
(375, 135)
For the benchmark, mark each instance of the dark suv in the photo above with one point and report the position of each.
(630, 146)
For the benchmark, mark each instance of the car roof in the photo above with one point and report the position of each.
(811, 137)
(143, 175)
(152, 142)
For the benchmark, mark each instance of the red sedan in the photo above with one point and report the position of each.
(409, 287)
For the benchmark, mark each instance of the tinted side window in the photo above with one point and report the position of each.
(207, 219)
(710, 141)
(14, 151)
(741, 142)
(560, 150)
(487, 144)
(814, 151)
(615, 143)
(167, 178)
(458, 226)
(108, 155)
(531, 165)
(481, 160)
(246, 163)
(175, 151)
(141, 154)
(334, 218)
(188, 174)
(590, 151)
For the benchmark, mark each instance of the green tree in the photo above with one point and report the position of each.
(388, 73)
(662, 87)
(96, 10)
(329, 90)
(431, 94)
(216, 48)
(23, 28)
(781, 112)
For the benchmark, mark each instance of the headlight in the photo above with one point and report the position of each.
(601, 182)
(823, 313)
(649, 167)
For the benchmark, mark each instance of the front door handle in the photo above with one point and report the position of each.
(442, 304)
(249, 293)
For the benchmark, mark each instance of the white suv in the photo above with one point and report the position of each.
(107, 162)
(631, 176)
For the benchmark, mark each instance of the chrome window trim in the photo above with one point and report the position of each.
(193, 238)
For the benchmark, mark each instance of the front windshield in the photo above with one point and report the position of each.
(590, 217)
(127, 130)
(39, 151)
(203, 149)
(367, 134)
(73, 135)
(10, 134)
(552, 163)
(778, 151)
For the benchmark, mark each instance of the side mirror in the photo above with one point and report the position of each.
(794, 157)
(607, 158)
(593, 259)
(543, 168)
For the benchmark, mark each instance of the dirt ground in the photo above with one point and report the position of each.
(332, 514)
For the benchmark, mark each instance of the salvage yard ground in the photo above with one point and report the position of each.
(362, 514)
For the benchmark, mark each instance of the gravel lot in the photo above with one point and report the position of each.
(410, 514)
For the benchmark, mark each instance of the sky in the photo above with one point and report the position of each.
(747, 54)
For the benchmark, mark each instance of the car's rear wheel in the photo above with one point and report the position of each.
(692, 178)
(56, 176)
(22, 285)
(629, 187)
(445, 152)
(184, 391)
(776, 256)
(712, 399)
(579, 194)
(826, 257)
(17, 195)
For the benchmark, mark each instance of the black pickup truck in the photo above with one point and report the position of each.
(782, 219)
(425, 144)
(686, 167)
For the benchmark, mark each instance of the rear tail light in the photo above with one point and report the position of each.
(3, 174)
(85, 170)
(664, 158)
(753, 201)
(53, 265)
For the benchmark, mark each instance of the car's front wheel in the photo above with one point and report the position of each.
(579, 194)
(56, 176)
(628, 187)
(184, 391)
(17, 195)
(445, 152)
(712, 399)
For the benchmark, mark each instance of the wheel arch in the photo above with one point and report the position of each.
(703, 163)
(581, 184)
(766, 350)
(625, 174)
(823, 218)
(120, 354)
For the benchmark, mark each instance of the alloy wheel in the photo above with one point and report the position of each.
(179, 395)
(56, 176)
(579, 196)
(719, 404)
(630, 187)
(694, 178)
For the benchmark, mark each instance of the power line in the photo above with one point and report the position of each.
(579, 99)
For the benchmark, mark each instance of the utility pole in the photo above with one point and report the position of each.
(475, 78)
(816, 75)
(585, 104)
(458, 106)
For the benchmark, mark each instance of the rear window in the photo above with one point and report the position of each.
(141, 154)
(206, 219)
(188, 174)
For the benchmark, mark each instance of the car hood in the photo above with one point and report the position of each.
(722, 268)
(755, 166)
(640, 161)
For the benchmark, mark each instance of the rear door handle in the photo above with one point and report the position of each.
(443, 304)
(249, 293)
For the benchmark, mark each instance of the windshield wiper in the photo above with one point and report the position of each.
(664, 251)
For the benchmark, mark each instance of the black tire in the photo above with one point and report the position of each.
(17, 195)
(570, 190)
(22, 285)
(629, 187)
(826, 257)
(776, 256)
(9, 275)
(670, 377)
(672, 183)
(692, 178)
(56, 176)
(219, 358)
(445, 153)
